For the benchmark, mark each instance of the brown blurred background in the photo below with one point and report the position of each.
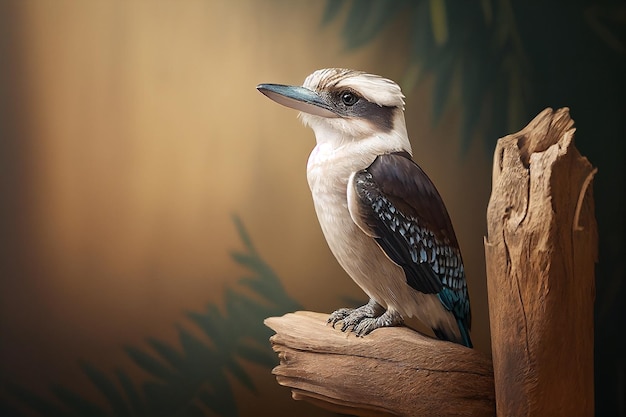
(132, 132)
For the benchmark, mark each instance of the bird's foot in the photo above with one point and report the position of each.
(355, 318)
(352, 316)
(368, 324)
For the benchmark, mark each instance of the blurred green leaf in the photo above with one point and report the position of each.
(439, 21)
(108, 389)
(357, 15)
(132, 395)
(208, 322)
(150, 364)
(182, 383)
(7, 410)
(477, 80)
(332, 9)
(243, 234)
(75, 402)
(200, 359)
(165, 399)
(245, 311)
(466, 38)
(172, 356)
(220, 399)
(422, 42)
(241, 375)
(252, 262)
(255, 355)
(498, 124)
(41, 406)
(441, 89)
(367, 18)
(193, 410)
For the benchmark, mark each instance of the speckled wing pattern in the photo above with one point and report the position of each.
(401, 208)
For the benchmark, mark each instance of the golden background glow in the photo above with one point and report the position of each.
(140, 134)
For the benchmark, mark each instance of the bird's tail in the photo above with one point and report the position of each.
(467, 341)
(446, 334)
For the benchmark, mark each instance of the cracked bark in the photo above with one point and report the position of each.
(392, 371)
(540, 253)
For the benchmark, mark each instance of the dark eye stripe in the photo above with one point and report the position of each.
(380, 116)
(349, 98)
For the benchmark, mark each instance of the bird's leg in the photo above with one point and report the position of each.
(388, 319)
(353, 316)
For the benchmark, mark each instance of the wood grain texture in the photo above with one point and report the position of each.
(541, 251)
(390, 372)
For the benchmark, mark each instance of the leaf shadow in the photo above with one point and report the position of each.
(193, 379)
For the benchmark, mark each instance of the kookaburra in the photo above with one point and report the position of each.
(381, 215)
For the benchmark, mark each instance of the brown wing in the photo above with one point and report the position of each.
(397, 204)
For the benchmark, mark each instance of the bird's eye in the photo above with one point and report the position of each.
(349, 98)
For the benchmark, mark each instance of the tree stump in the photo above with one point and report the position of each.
(540, 252)
(393, 371)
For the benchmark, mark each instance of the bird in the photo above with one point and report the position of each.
(382, 216)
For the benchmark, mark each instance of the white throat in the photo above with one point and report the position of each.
(358, 134)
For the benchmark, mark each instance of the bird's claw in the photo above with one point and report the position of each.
(353, 320)
(339, 315)
(365, 319)
(362, 320)
(349, 317)
(366, 326)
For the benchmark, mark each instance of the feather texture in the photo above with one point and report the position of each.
(399, 206)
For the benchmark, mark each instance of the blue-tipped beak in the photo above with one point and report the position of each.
(298, 98)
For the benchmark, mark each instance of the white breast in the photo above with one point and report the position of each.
(328, 172)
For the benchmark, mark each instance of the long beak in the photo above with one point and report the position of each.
(298, 98)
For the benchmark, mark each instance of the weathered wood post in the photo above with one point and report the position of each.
(540, 253)
(540, 250)
(393, 371)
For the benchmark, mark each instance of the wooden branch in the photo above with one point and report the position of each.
(540, 252)
(390, 372)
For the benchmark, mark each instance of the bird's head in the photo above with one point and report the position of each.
(344, 106)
